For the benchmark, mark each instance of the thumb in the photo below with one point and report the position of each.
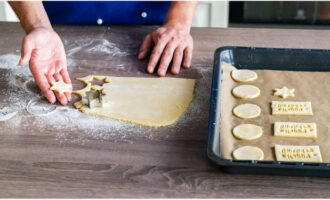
(26, 51)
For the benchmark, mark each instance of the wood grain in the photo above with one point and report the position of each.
(36, 164)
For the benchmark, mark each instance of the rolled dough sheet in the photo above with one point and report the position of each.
(309, 86)
(152, 102)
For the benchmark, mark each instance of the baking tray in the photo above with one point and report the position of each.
(262, 58)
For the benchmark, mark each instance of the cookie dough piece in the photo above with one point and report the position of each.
(284, 92)
(298, 153)
(61, 87)
(248, 153)
(292, 108)
(244, 75)
(247, 111)
(247, 132)
(295, 130)
(246, 91)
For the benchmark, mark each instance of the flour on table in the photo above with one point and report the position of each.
(40, 107)
(72, 126)
(92, 46)
(8, 110)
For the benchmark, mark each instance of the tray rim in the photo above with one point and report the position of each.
(249, 166)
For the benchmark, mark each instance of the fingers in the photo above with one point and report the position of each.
(43, 84)
(145, 47)
(61, 74)
(166, 58)
(66, 78)
(162, 41)
(187, 57)
(62, 98)
(26, 51)
(51, 76)
(177, 60)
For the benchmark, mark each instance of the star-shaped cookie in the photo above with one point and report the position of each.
(284, 92)
(61, 87)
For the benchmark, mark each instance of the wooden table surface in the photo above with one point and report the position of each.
(169, 162)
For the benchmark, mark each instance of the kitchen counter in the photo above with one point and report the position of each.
(49, 157)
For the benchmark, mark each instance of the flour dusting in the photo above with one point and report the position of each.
(93, 46)
(69, 124)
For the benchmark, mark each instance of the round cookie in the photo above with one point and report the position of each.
(246, 91)
(247, 132)
(248, 153)
(244, 75)
(247, 111)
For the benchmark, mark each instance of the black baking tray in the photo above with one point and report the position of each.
(262, 58)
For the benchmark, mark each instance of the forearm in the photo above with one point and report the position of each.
(181, 14)
(31, 14)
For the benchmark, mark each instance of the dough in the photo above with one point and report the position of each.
(246, 91)
(91, 78)
(295, 130)
(83, 91)
(152, 102)
(248, 153)
(298, 153)
(247, 131)
(247, 111)
(243, 75)
(292, 108)
(61, 87)
(284, 92)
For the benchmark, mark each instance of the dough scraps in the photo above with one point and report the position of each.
(295, 130)
(243, 75)
(248, 153)
(246, 91)
(83, 91)
(298, 153)
(284, 92)
(247, 111)
(151, 102)
(61, 87)
(292, 108)
(247, 132)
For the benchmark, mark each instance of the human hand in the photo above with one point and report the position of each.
(42, 48)
(168, 44)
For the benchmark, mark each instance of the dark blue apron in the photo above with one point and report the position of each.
(106, 13)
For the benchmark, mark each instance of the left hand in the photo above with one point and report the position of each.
(170, 45)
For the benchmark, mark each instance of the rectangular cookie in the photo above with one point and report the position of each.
(292, 108)
(298, 153)
(295, 130)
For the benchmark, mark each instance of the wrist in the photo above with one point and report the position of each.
(39, 24)
(180, 15)
(182, 25)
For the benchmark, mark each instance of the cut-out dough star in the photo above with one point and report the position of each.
(284, 92)
(61, 87)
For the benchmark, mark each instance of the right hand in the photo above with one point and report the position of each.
(43, 50)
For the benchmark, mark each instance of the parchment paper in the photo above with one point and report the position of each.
(309, 86)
